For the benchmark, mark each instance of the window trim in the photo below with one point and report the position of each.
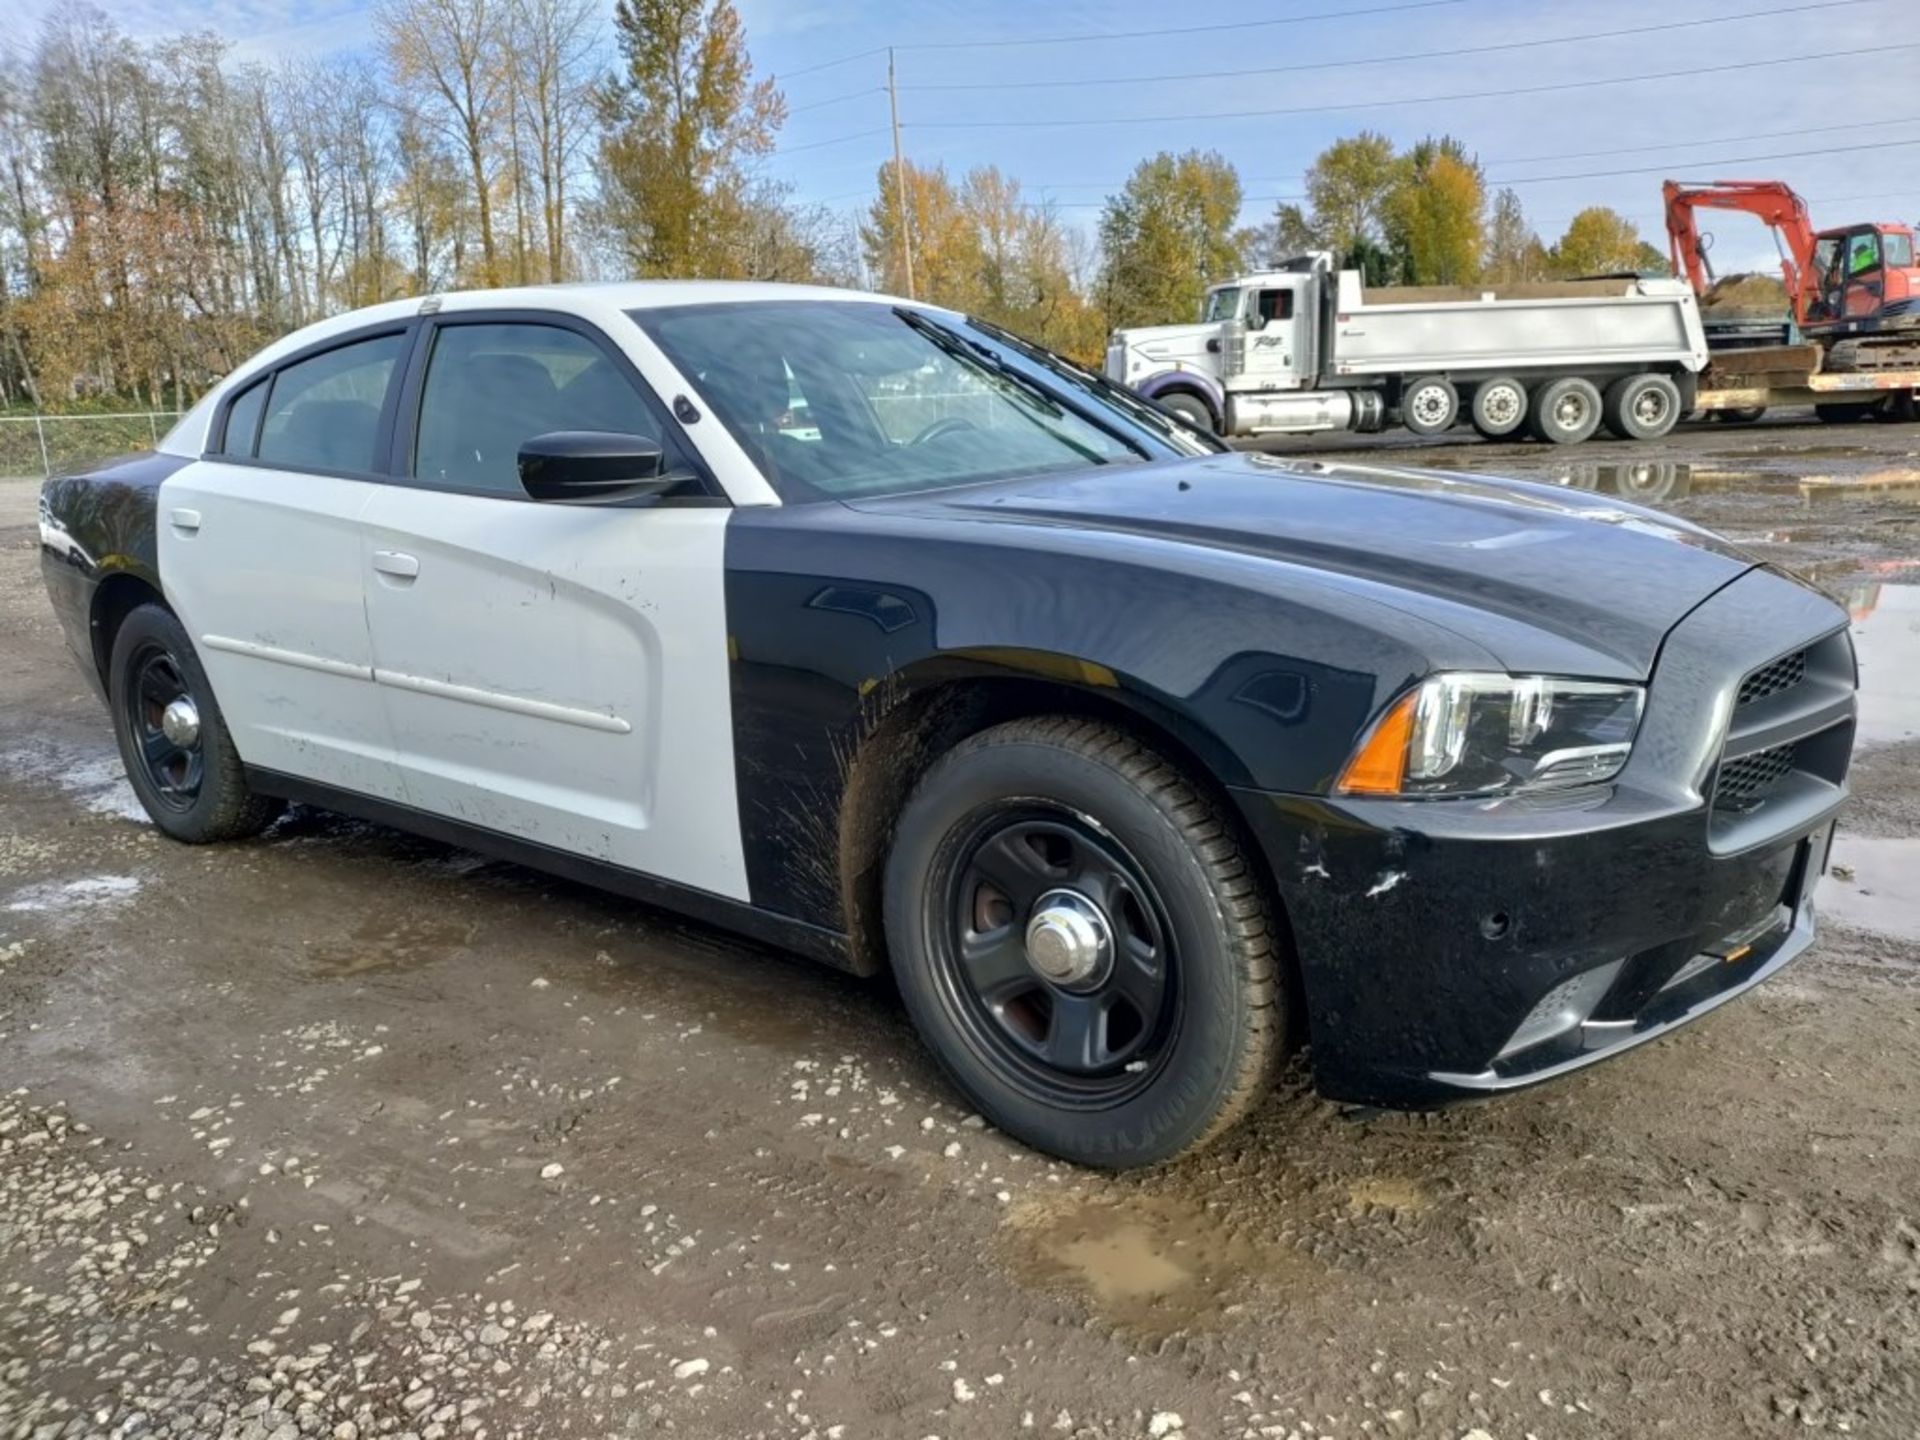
(408, 331)
(406, 429)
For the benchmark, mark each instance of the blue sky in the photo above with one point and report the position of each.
(1860, 111)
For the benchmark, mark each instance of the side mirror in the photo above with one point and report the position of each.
(583, 466)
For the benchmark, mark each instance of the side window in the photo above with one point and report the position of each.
(1863, 254)
(324, 413)
(490, 387)
(1274, 305)
(243, 419)
(1899, 252)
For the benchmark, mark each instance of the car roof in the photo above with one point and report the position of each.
(604, 302)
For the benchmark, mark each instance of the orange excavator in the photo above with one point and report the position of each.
(1856, 280)
(1854, 294)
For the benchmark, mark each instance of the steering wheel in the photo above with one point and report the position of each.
(945, 425)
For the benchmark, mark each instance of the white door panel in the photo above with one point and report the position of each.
(266, 569)
(559, 673)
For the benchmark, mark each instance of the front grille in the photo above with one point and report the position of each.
(1746, 782)
(1783, 674)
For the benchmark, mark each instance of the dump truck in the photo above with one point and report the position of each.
(1307, 347)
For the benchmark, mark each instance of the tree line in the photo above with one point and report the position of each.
(164, 210)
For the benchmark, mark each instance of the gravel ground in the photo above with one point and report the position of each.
(343, 1133)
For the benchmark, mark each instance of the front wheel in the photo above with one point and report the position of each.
(1082, 944)
(1190, 408)
(173, 741)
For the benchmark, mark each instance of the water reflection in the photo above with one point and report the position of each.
(1886, 637)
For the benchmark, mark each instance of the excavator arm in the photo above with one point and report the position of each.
(1770, 200)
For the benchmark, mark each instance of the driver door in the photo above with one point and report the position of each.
(555, 672)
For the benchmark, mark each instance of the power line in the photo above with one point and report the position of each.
(1503, 93)
(1086, 37)
(1215, 29)
(1502, 46)
(836, 140)
(1878, 145)
(838, 99)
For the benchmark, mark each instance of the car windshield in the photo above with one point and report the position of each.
(836, 399)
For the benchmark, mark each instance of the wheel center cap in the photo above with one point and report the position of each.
(180, 722)
(1069, 940)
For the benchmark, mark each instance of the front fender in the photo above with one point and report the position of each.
(837, 617)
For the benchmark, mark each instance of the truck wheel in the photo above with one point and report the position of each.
(1641, 407)
(1565, 411)
(1745, 415)
(1081, 943)
(1499, 407)
(1190, 408)
(1430, 405)
(1849, 413)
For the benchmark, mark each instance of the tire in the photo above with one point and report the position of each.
(1746, 415)
(1179, 1046)
(1849, 413)
(1499, 407)
(1641, 407)
(195, 790)
(1192, 409)
(1901, 409)
(1430, 405)
(1564, 411)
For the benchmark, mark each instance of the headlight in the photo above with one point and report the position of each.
(1471, 734)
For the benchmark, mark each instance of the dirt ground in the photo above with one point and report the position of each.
(345, 1133)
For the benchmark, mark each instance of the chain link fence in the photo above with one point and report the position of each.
(36, 446)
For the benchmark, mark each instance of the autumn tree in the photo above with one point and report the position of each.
(1602, 241)
(451, 54)
(1348, 186)
(1514, 252)
(947, 253)
(1435, 215)
(1166, 235)
(682, 120)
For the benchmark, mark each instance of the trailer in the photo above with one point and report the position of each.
(1306, 347)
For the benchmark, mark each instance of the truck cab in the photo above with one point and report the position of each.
(1264, 325)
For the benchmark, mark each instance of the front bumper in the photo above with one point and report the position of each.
(1449, 949)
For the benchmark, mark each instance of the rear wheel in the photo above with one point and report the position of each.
(1190, 408)
(1430, 405)
(1499, 407)
(1082, 944)
(179, 757)
(1641, 407)
(1745, 415)
(1565, 411)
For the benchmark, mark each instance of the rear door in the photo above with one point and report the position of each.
(556, 672)
(261, 556)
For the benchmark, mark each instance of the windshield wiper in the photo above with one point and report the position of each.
(984, 357)
(1115, 394)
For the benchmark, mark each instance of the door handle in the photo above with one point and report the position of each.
(184, 520)
(397, 563)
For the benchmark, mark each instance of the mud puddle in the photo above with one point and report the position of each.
(1872, 885)
(1886, 640)
(407, 942)
(1149, 1264)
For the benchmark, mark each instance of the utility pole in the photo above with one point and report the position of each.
(900, 210)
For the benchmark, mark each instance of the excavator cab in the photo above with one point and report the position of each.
(1865, 279)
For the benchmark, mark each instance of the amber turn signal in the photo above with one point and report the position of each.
(1379, 766)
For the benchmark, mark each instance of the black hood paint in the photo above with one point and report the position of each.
(1609, 577)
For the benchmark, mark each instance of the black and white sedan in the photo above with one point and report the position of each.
(878, 633)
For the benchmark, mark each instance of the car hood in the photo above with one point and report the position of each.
(1488, 558)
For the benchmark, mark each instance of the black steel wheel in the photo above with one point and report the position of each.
(164, 722)
(1082, 944)
(174, 743)
(1054, 949)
